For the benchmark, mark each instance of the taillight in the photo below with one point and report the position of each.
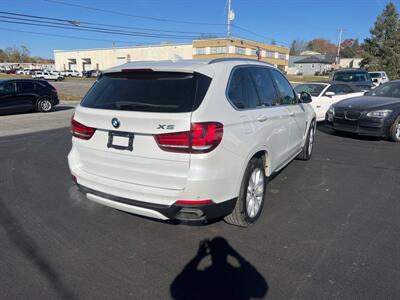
(54, 90)
(202, 138)
(81, 131)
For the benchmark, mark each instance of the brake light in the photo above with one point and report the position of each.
(136, 70)
(81, 131)
(202, 138)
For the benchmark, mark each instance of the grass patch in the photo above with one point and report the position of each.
(68, 97)
(307, 78)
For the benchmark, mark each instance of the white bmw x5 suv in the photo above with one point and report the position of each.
(188, 140)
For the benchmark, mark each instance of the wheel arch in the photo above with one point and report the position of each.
(260, 152)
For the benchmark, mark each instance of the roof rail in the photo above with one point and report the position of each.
(221, 59)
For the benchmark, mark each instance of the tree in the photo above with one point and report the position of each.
(322, 46)
(382, 49)
(297, 47)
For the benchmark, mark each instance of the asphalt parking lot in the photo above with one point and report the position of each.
(330, 229)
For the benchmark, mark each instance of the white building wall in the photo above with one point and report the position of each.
(107, 58)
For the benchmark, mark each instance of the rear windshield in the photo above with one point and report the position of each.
(148, 91)
(351, 77)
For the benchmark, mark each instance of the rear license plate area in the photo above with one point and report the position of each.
(120, 140)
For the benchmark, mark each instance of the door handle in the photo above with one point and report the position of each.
(291, 114)
(262, 118)
(318, 106)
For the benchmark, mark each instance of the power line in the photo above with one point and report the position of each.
(132, 15)
(91, 29)
(78, 23)
(68, 36)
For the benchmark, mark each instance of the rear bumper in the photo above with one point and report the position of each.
(183, 213)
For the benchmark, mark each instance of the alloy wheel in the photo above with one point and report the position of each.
(255, 193)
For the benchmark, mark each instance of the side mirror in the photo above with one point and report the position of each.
(330, 94)
(305, 97)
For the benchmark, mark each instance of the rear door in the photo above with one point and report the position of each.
(7, 95)
(272, 120)
(128, 109)
(26, 94)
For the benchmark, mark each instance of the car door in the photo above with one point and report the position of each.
(26, 95)
(271, 120)
(7, 95)
(295, 109)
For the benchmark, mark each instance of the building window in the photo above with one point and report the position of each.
(281, 56)
(218, 50)
(269, 54)
(200, 51)
(240, 50)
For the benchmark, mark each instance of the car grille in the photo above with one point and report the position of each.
(347, 114)
(352, 115)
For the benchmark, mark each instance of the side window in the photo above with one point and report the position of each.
(265, 87)
(285, 89)
(7, 88)
(241, 91)
(25, 86)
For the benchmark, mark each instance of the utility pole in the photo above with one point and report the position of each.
(338, 46)
(229, 19)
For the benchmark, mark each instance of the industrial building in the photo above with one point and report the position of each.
(104, 58)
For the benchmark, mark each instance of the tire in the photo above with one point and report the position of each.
(44, 105)
(306, 153)
(244, 213)
(394, 131)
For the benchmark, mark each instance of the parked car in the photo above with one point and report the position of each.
(10, 71)
(379, 77)
(47, 75)
(71, 73)
(377, 113)
(91, 73)
(325, 94)
(23, 72)
(188, 140)
(26, 94)
(358, 77)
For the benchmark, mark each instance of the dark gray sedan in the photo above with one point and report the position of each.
(377, 113)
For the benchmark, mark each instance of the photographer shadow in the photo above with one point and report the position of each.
(229, 276)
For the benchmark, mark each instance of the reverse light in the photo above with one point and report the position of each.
(379, 113)
(81, 131)
(202, 138)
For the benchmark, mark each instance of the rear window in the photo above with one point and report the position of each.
(148, 91)
(352, 77)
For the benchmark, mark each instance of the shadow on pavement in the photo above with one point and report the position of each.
(55, 109)
(229, 275)
(29, 249)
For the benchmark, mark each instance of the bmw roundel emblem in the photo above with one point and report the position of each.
(115, 122)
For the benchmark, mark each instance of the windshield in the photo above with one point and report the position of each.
(313, 89)
(375, 75)
(148, 91)
(352, 77)
(391, 89)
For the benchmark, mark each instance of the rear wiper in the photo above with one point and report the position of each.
(127, 104)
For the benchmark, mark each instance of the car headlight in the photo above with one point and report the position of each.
(379, 113)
